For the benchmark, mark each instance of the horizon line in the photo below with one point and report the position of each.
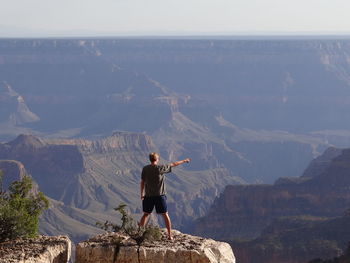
(284, 35)
(13, 32)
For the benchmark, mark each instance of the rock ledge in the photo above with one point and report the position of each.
(183, 249)
(42, 249)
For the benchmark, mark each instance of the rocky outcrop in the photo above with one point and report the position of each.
(41, 249)
(183, 249)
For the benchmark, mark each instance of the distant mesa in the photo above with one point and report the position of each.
(27, 140)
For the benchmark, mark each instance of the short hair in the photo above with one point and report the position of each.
(153, 157)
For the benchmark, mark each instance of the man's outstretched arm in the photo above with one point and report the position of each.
(180, 162)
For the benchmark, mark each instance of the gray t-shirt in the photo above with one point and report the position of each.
(153, 176)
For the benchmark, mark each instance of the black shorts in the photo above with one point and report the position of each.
(149, 202)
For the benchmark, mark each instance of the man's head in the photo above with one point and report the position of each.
(153, 157)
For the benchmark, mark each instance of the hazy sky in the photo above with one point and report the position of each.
(144, 16)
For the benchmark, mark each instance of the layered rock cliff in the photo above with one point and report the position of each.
(294, 220)
(52, 166)
(297, 240)
(245, 210)
(183, 249)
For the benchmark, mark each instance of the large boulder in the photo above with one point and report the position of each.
(183, 248)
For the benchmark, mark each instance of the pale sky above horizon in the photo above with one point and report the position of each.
(180, 15)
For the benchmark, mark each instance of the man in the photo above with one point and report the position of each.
(153, 189)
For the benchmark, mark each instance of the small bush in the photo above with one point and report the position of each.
(131, 228)
(20, 210)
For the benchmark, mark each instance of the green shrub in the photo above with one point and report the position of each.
(20, 210)
(129, 227)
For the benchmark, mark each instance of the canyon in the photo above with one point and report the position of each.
(193, 97)
(81, 115)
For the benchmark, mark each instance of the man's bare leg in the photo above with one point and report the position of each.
(144, 220)
(167, 222)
